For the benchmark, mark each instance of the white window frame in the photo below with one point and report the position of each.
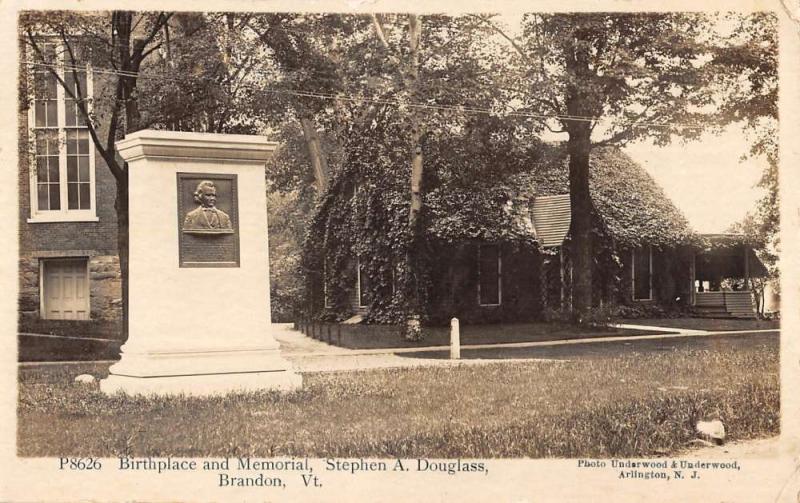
(633, 274)
(64, 214)
(42, 293)
(499, 277)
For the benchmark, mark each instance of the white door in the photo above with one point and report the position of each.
(66, 289)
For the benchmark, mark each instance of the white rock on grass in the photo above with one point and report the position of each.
(85, 379)
(714, 430)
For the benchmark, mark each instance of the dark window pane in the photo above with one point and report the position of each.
(83, 141)
(52, 142)
(43, 199)
(52, 85)
(49, 53)
(489, 275)
(40, 113)
(83, 165)
(55, 197)
(40, 85)
(41, 143)
(641, 273)
(72, 143)
(82, 82)
(72, 168)
(41, 169)
(72, 196)
(53, 169)
(69, 112)
(85, 198)
(52, 117)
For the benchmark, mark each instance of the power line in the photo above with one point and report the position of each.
(377, 101)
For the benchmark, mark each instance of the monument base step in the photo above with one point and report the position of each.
(200, 373)
(202, 384)
(161, 363)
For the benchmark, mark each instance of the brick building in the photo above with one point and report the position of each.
(68, 264)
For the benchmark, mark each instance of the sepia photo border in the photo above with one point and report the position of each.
(776, 478)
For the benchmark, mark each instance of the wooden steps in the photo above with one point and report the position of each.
(725, 305)
(740, 304)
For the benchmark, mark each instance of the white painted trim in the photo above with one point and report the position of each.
(499, 277)
(71, 216)
(64, 214)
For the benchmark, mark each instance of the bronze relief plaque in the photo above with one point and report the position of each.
(208, 220)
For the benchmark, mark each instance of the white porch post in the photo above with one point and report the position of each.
(693, 278)
(746, 268)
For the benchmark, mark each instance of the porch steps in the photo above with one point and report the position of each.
(740, 304)
(725, 305)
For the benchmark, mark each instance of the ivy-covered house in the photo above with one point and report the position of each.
(496, 245)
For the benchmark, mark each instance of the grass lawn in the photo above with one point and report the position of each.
(638, 404)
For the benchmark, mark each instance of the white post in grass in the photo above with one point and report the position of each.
(455, 340)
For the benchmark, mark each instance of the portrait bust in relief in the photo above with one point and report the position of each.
(207, 218)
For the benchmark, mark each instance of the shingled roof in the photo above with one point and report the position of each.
(634, 209)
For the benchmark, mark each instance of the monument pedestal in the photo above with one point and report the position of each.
(198, 268)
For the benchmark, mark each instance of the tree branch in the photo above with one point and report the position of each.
(379, 31)
(138, 50)
(503, 34)
(623, 135)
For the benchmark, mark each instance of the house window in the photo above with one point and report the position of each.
(64, 289)
(490, 268)
(362, 285)
(643, 273)
(62, 158)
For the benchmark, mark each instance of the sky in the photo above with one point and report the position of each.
(706, 179)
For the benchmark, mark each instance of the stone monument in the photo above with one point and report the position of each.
(199, 310)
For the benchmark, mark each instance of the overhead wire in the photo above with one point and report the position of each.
(379, 101)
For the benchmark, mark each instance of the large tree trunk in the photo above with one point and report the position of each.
(121, 207)
(579, 147)
(318, 159)
(413, 262)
